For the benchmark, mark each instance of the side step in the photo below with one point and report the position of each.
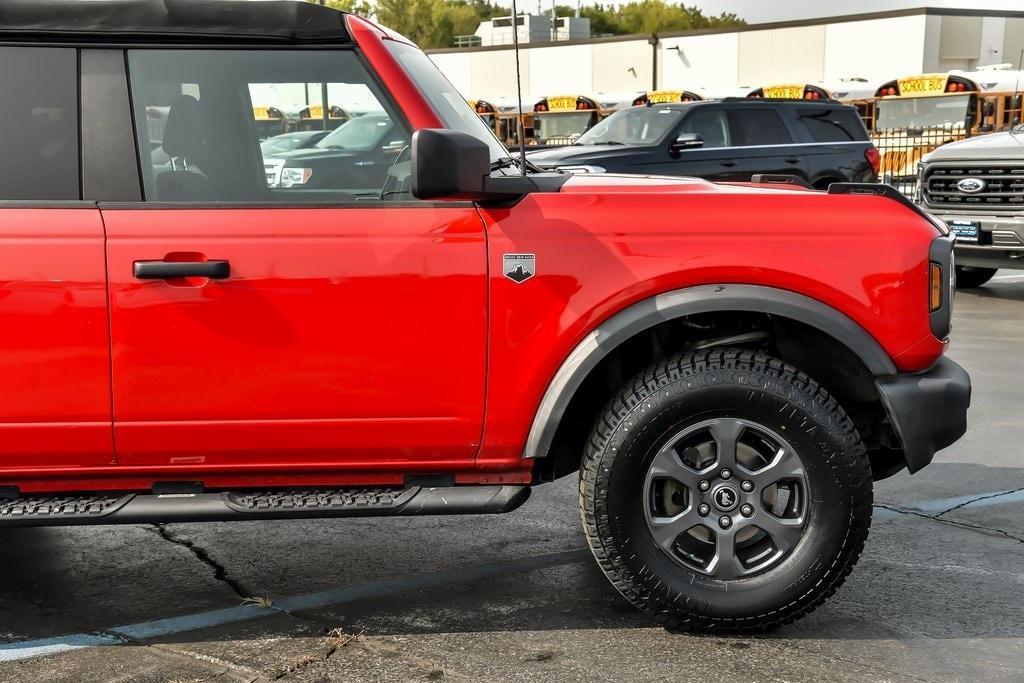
(241, 505)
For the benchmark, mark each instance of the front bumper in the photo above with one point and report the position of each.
(928, 410)
(1000, 244)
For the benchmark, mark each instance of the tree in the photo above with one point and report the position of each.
(648, 16)
(435, 23)
(353, 6)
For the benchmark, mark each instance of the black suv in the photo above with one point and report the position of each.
(726, 140)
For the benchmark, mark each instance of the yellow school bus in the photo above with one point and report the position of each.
(853, 91)
(916, 114)
(312, 117)
(561, 119)
(500, 115)
(666, 96)
(270, 121)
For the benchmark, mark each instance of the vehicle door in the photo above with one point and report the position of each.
(263, 324)
(707, 152)
(55, 349)
(835, 142)
(762, 143)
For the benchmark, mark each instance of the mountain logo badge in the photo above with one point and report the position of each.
(519, 267)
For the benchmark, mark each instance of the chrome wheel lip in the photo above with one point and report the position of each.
(787, 532)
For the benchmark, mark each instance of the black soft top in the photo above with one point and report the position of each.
(171, 21)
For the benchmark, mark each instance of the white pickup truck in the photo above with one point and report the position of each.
(977, 187)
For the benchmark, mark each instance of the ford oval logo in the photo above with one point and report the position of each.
(971, 185)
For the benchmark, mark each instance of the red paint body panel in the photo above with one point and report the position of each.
(369, 37)
(354, 346)
(343, 336)
(606, 242)
(55, 348)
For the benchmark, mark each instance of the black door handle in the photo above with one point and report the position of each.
(792, 160)
(165, 270)
(728, 164)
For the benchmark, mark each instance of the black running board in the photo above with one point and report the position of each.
(250, 505)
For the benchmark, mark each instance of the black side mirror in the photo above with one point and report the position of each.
(687, 141)
(448, 164)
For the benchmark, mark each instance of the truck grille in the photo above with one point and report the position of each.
(1001, 187)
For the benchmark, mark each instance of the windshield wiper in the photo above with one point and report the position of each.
(504, 162)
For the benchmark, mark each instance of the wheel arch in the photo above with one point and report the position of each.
(835, 337)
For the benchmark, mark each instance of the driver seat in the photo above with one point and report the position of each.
(184, 142)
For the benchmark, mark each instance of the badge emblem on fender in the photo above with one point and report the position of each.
(519, 267)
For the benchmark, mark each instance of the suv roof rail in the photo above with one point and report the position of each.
(780, 179)
(780, 99)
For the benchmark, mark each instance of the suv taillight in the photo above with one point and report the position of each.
(874, 158)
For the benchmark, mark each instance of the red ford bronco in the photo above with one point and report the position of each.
(397, 320)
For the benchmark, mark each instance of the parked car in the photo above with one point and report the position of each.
(365, 143)
(822, 142)
(287, 142)
(977, 187)
(726, 368)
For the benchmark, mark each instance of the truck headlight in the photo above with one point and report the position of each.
(919, 185)
(581, 169)
(291, 177)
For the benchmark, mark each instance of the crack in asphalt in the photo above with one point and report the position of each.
(953, 522)
(975, 500)
(220, 572)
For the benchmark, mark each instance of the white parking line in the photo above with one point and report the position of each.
(193, 622)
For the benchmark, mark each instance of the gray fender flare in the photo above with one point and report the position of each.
(645, 314)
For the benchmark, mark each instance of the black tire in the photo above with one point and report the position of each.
(753, 387)
(968, 277)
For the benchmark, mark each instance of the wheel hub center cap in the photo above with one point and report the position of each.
(725, 498)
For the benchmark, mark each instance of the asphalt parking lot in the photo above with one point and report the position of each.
(938, 594)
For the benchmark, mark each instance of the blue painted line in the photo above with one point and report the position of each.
(10, 652)
(190, 622)
(54, 646)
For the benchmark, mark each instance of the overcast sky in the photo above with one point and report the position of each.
(759, 11)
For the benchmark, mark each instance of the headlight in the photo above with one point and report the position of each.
(581, 169)
(295, 176)
(919, 185)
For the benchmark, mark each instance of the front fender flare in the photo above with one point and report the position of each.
(645, 314)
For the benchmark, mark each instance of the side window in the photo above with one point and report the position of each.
(833, 125)
(261, 126)
(710, 124)
(39, 123)
(757, 127)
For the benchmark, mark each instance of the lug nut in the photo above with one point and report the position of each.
(726, 474)
(724, 522)
(747, 510)
(703, 509)
(704, 485)
(747, 486)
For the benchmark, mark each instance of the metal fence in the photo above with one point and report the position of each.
(901, 150)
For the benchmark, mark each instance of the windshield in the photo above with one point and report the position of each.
(922, 112)
(448, 104)
(561, 129)
(361, 134)
(635, 126)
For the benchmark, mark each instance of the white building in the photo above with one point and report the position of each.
(533, 28)
(875, 47)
